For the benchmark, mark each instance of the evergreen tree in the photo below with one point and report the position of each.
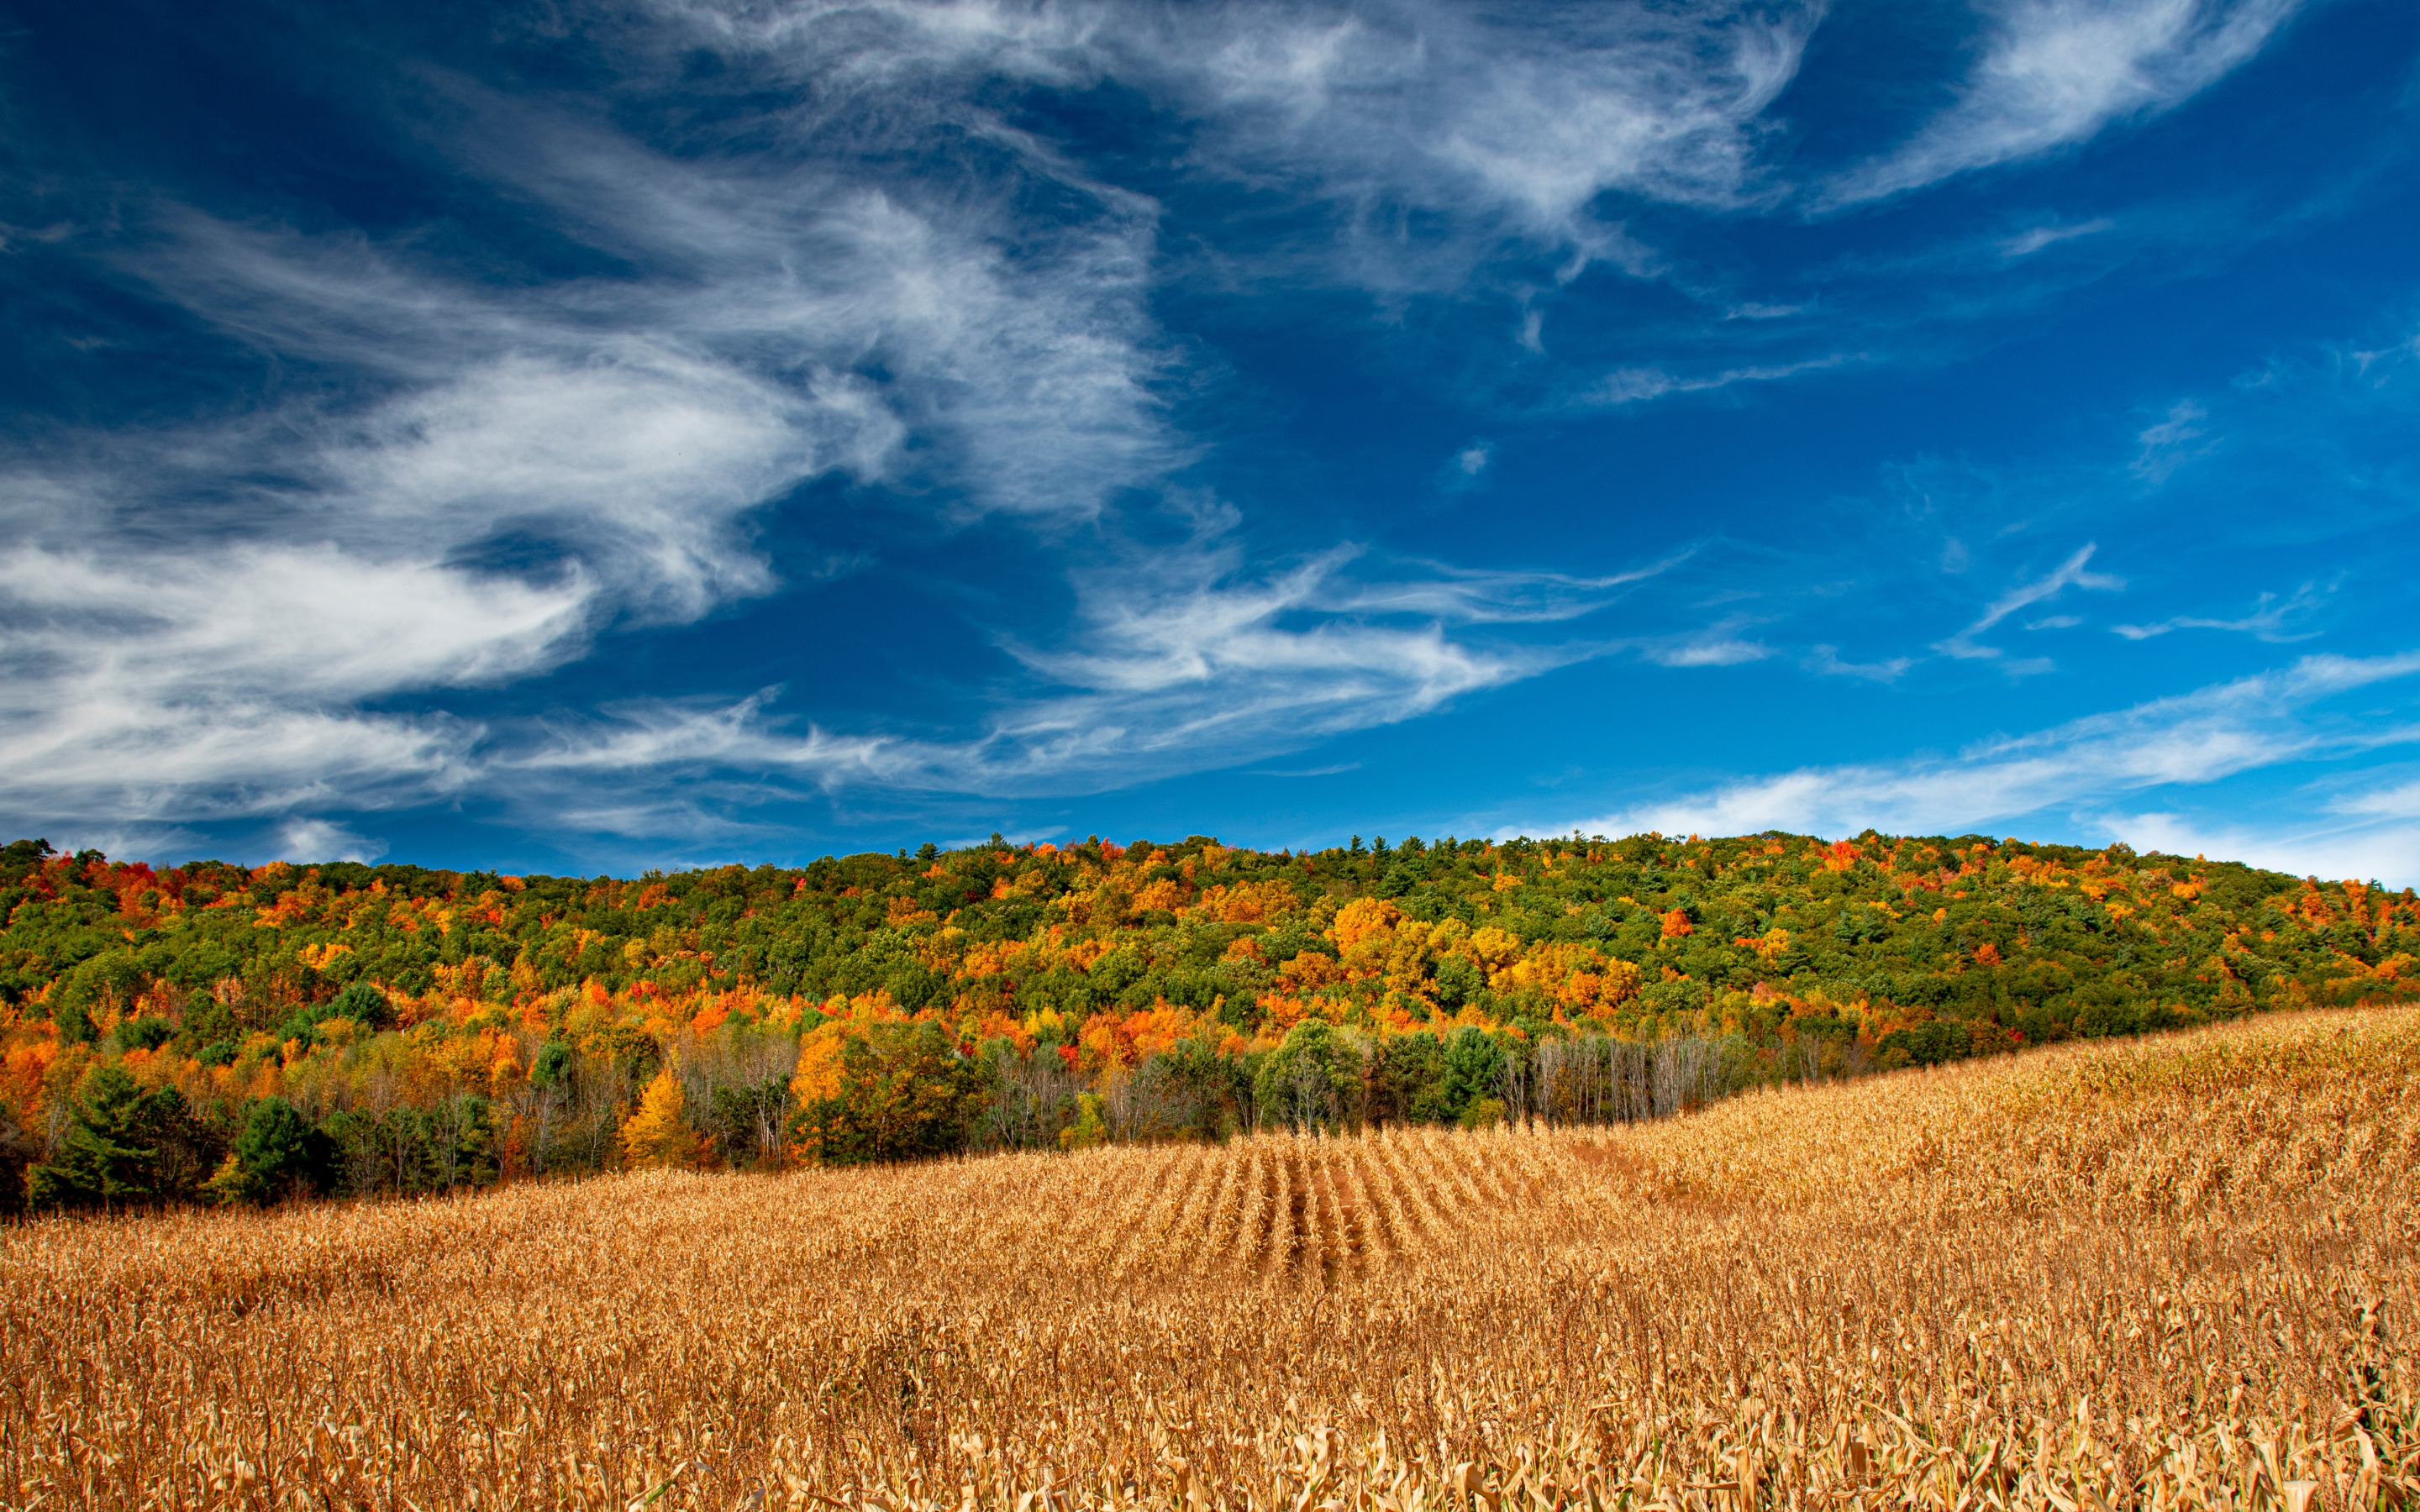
(1472, 1061)
(112, 1150)
(279, 1154)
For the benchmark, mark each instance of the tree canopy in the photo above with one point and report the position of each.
(439, 1026)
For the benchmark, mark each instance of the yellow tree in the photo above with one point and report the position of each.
(656, 1133)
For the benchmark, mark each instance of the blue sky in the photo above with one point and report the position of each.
(565, 437)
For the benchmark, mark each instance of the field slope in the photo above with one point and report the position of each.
(2176, 1272)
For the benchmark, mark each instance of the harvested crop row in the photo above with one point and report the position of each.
(2174, 1272)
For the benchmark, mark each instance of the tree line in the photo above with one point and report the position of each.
(217, 1032)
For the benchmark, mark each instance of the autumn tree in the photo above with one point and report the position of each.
(658, 1132)
(888, 1092)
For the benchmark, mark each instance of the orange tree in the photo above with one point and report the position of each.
(893, 1092)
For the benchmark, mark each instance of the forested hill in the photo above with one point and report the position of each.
(351, 991)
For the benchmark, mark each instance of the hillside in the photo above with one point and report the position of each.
(2171, 1273)
(429, 1029)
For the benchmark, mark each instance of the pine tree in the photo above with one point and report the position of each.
(110, 1149)
(280, 1153)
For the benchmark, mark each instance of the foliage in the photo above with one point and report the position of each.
(1089, 1128)
(900, 1091)
(279, 1154)
(444, 1028)
(1310, 1081)
(121, 1144)
(657, 1134)
(1482, 1113)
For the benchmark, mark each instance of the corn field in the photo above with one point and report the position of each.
(2174, 1272)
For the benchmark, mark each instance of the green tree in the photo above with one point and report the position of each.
(1408, 1081)
(279, 1154)
(364, 1004)
(1088, 1131)
(1205, 1086)
(16, 1154)
(1312, 1080)
(1471, 1063)
(751, 1121)
(1482, 1113)
(112, 1152)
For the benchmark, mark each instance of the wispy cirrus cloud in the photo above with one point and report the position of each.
(2054, 73)
(1720, 644)
(1373, 110)
(2069, 574)
(1826, 661)
(2033, 240)
(1637, 385)
(486, 474)
(2183, 436)
(2400, 801)
(1200, 663)
(2272, 619)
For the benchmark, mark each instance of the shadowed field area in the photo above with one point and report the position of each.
(2171, 1272)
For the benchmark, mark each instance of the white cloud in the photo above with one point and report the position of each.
(2169, 444)
(186, 683)
(1534, 112)
(1524, 116)
(1193, 662)
(2399, 802)
(1754, 310)
(2218, 731)
(2054, 73)
(2269, 619)
(192, 618)
(1825, 661)
(323, 839)
(1636, 385)
(1717, 646)
(2067, 574)
(1479, 597)
(2025, 243)
(2382, 852)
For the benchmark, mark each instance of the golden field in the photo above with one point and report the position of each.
(2166, 1273)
